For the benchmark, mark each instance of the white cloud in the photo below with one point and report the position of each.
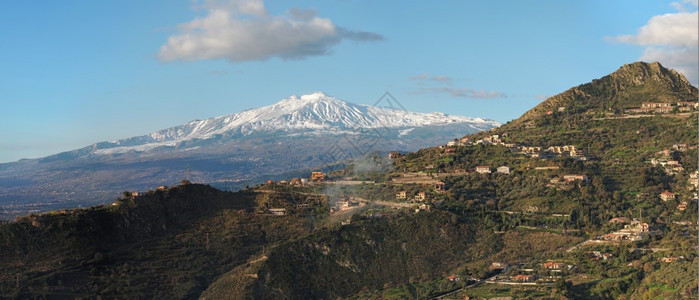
(678, 29)
(670, 39)
(243, 30)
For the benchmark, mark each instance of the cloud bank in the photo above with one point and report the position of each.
(441, 80)
(243, 30)
(670, 39)
(463, 92)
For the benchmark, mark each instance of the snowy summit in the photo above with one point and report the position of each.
(316, 113)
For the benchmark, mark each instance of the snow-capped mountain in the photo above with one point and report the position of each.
(286, 139)
(315, 113)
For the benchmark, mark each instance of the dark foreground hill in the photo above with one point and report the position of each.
(170, 243)
(195, 241)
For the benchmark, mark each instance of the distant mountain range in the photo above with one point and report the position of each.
(294, 135)
(315, 114)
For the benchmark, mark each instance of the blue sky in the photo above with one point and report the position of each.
(78, 72)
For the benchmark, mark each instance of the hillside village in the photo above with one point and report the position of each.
(430, 183)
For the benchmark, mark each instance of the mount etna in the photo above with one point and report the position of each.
(294, 135)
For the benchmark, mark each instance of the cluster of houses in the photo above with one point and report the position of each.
(314, 178)
(663, 107)
(487, 169)
(299, 182)
(670, 166)
(533, 151)
(494, 139)
(296, 182)
(403, 195)
(550, 266)
(634, 231)
(552, 152)
(664, 159)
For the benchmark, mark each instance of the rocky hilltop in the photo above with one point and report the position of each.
(629, 86)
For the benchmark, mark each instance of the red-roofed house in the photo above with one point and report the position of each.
(682, 206)
(667, 195)
(483, 169)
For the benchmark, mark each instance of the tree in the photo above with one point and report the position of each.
(563, 287)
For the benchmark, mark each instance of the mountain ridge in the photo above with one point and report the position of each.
(628, 86)
(315, 112)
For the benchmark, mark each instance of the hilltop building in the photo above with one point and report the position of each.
(317, 176)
